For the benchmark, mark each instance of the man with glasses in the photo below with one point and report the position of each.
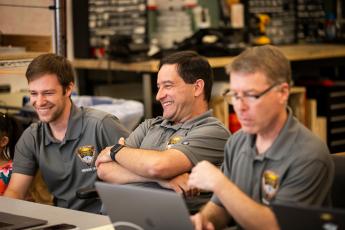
(273, 159)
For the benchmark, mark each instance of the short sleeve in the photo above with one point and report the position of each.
(24, 156)
(204, 142)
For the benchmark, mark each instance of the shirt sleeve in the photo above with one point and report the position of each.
(111, 130)
(204, 142)
(136, 137)
(24, 161)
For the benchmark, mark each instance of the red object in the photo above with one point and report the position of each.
(98, 52)
(234, 123)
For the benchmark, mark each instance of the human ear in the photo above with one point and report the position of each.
(285, 92)
(199, 87)
(69, 89)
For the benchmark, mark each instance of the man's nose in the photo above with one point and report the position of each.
(160, 94)
(241, 103)
(39, 100)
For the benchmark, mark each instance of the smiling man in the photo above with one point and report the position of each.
(65, 142)
(164, 149)
(273, 159)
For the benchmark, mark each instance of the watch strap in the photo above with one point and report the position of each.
(114, 150)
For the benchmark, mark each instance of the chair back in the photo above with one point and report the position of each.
(338, 188)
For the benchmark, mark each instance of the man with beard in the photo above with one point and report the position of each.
(164, 149)
(65, 142)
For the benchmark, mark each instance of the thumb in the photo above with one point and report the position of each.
(121, 141)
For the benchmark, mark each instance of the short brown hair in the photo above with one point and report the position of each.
(266, 59)
(191, 67)
(51, 64)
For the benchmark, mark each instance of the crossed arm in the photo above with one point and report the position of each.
(169, 168)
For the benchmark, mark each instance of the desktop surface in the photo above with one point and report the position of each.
(54, 215)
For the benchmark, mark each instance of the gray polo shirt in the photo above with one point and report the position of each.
(201, 138)
(297, 167)
(68, 165)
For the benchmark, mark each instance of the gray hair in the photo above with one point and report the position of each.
(266, 59)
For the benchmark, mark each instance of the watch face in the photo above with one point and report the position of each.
(114, 150)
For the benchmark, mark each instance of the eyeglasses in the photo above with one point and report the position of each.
(233, 97)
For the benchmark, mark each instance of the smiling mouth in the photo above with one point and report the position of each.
(167, 103)
(43, 110)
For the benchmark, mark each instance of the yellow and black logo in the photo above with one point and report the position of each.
(270, 185)
(87, 154)
(173, 141)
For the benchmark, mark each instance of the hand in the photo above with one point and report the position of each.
(103, 156)
(206, 176)
(201, 223)
(180, 185)
(122, 141)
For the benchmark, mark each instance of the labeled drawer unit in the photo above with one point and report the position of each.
(331, 105)
(336, 119)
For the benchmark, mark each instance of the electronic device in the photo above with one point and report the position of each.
(133, 207)
(9, 221)
(308, 217)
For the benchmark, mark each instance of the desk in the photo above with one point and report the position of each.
(300, 52)
(53, 215)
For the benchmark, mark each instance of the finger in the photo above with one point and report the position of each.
(185, 192)
(196, 221)
(176, 188)
(210, 226)
(195, 192)
(191, 182)
(121, 141)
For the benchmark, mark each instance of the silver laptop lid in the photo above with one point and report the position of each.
(132, 207)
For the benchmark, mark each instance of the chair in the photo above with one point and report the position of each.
(338, 188)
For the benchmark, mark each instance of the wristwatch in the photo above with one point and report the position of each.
(114, 150)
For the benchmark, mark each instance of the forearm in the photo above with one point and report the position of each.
(13, 194)
(248, 213)
(154, 164)
(215, 214)
(18, 186)
(114, 173)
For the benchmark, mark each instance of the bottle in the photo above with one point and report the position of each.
(330, 27)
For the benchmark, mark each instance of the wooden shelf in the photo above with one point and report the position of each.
(299, 52)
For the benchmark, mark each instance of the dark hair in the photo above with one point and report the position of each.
(51, 64)
(266, 59)
(9, 127)
(191, 67)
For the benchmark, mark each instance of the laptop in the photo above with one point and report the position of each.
(132, 207)
(309, 217)
(10, 221)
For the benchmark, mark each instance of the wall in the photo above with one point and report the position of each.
(26, 20)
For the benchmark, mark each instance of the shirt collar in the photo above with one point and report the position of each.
(74, 127)
(282, 144)
(188, 124)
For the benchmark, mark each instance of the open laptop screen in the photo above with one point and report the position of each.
(308, 217)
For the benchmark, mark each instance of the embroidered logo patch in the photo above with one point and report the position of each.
(173, 141)
(270, 185)
(87, 154)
